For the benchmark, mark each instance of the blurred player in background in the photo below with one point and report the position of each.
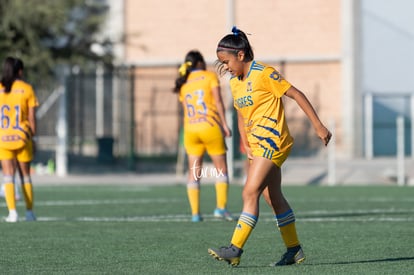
(204, 130)
(257, 91)
(18, 103)
(18, 70)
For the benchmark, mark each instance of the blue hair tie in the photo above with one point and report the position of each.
(235, 31)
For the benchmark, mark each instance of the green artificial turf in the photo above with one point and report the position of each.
(125, 229)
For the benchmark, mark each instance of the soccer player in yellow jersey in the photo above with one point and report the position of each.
(204, 130)
(257, 91)
(17, 129)
(18, 69)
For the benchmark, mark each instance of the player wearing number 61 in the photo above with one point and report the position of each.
(17, 129)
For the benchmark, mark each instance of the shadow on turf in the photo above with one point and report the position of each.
(334, 263)
(317, 179)
(367, 261)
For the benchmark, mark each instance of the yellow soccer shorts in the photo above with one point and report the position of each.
(24, 154)
(211, 139)
(276, 157)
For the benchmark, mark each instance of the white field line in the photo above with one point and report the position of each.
(98, 202)
(362, 199)
(371, 215)
(186, 218)
(357, 215)
(358, 211)
(169, 200)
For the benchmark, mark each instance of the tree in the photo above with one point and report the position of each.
(47, 33)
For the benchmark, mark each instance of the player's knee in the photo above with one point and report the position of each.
(250, 195)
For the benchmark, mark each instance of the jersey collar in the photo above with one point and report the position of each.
(250, 69)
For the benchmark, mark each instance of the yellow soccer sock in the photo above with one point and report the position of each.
(9, 193)
(221, 194)
(28, 193)
(244, 227)
(193, 193)
(287, 228)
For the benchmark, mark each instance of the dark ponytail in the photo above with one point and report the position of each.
(193, 60)
(8, 76)
(235, 42)
(18, 67)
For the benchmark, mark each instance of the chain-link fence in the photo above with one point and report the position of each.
(129, 118)
(113, 117)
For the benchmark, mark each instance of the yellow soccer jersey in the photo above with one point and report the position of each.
(259, 100)
(14, 111)
(200, 111)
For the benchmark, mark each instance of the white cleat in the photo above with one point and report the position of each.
(13, 217)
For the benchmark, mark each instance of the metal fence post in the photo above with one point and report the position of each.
(131, 156)
(331, 155)
(99, 101)
(369, 125)
(412, 124)
(62, 135)
(400, 151)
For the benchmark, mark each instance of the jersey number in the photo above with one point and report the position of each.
(275, 76)
(5, 117)
(200, 107)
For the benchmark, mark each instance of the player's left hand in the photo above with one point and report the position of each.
(327, 138)
(226, 131)
(324, 135)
